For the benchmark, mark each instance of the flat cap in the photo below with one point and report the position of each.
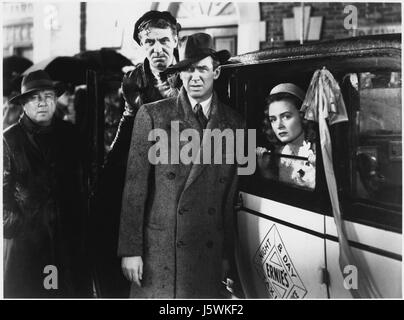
(153, 15)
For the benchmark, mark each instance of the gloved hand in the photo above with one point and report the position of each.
(133, 86)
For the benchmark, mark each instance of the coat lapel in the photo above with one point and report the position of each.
(216, 121)
(184, 107)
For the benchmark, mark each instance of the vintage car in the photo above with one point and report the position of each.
(289, 243)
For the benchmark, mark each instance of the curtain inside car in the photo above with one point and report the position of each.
(324, 103)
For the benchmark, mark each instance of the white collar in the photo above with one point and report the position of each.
(206, 105)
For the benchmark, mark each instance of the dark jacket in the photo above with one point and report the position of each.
(138, 88)
(43, 209)
(179, 217)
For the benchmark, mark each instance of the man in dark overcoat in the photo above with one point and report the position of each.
(43, 212)
(157, 34)
(176, 229)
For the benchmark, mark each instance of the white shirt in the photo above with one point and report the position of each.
(206, 105)
(298, 172)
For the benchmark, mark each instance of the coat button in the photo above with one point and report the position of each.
(171, 176)
(182, 210)
(222, 179)
(180, 244)
(211, 211)
(209, 244)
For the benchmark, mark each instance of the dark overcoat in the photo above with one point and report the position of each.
(43, 212)
(178, 217)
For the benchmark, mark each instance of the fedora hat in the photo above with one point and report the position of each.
(153, 15)
(37, 80)
(197, 47)
(288, 88)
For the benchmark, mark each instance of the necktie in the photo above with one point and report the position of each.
(200, 116)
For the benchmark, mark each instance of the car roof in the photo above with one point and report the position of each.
(364, 45)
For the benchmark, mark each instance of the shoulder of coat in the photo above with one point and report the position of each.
(232, 116)
(12, 130)
(13, 136)
(161, 105)
(135, 71)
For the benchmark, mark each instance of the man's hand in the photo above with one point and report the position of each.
(132, 268)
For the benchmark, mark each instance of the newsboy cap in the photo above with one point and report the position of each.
(197, 47)
(153, 15)
(37, 80)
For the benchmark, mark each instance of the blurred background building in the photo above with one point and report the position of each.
(49, 34)
(37, 30)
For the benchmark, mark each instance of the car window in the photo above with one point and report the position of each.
(290, 165)
(378, 156)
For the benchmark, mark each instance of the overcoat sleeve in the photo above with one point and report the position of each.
(136, 188)
(12, 215)
(133, 89)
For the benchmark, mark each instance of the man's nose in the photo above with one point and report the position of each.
(41, 101)
(195, 75)
(158, 48)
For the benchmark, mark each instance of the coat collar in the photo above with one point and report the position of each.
(33, 128)
(149, 79)
(217, 120)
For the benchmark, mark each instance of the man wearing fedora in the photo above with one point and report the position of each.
(42, 207)
(176, 229)
(157, 34)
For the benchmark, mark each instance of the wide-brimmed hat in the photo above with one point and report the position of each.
(197, 47)
(37, 80)
(288, 88)
(155, 16)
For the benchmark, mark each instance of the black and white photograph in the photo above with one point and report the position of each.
(218, 151)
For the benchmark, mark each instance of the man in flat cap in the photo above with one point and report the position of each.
(43, 208)
(176, 230)
(157, 33)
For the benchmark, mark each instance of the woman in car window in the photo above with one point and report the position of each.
(288, 136)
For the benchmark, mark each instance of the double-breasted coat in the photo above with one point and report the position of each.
(179, 217)
(138, 87)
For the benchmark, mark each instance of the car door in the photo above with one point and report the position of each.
(287, 237)
(371, 182)
(281, 227)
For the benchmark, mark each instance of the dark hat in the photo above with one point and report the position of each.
(153, 15)
(37, 80)
(197, 47)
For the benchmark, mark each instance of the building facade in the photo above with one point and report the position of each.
(38, 30)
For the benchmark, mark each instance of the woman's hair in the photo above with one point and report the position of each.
(308, 126)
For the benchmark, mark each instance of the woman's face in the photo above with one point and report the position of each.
(285, 120)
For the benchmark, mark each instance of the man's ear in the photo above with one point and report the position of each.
(175, 41)
(216, 73)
